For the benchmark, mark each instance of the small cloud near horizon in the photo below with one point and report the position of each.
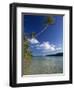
(33, 41)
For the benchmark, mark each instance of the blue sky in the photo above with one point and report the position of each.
(48, 42)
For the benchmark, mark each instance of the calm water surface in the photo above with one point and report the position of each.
(43, 65)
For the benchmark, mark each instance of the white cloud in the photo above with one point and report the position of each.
(44, 48)
(47, 46)
(58, 48)
(33, 41)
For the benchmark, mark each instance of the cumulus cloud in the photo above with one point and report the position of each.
(47, 46)
(33, 41)
(44, 48)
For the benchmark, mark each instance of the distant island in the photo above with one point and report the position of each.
(57, 54)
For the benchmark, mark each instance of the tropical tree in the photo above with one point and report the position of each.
(27, 52)
(49, 20)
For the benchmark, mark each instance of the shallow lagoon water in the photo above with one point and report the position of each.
(43, 65)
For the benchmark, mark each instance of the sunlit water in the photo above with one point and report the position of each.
(43, 65)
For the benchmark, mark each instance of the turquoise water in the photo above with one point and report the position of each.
(44, 65)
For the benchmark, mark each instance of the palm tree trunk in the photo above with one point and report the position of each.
(41, 31)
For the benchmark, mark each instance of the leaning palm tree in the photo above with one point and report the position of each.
(27, 53)
(49, 20)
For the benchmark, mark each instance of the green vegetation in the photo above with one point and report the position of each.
(49, 20)
(27, 52)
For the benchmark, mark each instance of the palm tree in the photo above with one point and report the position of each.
(49, 20)
(27, 53)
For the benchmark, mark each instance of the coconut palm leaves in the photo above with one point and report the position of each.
(49, 20)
